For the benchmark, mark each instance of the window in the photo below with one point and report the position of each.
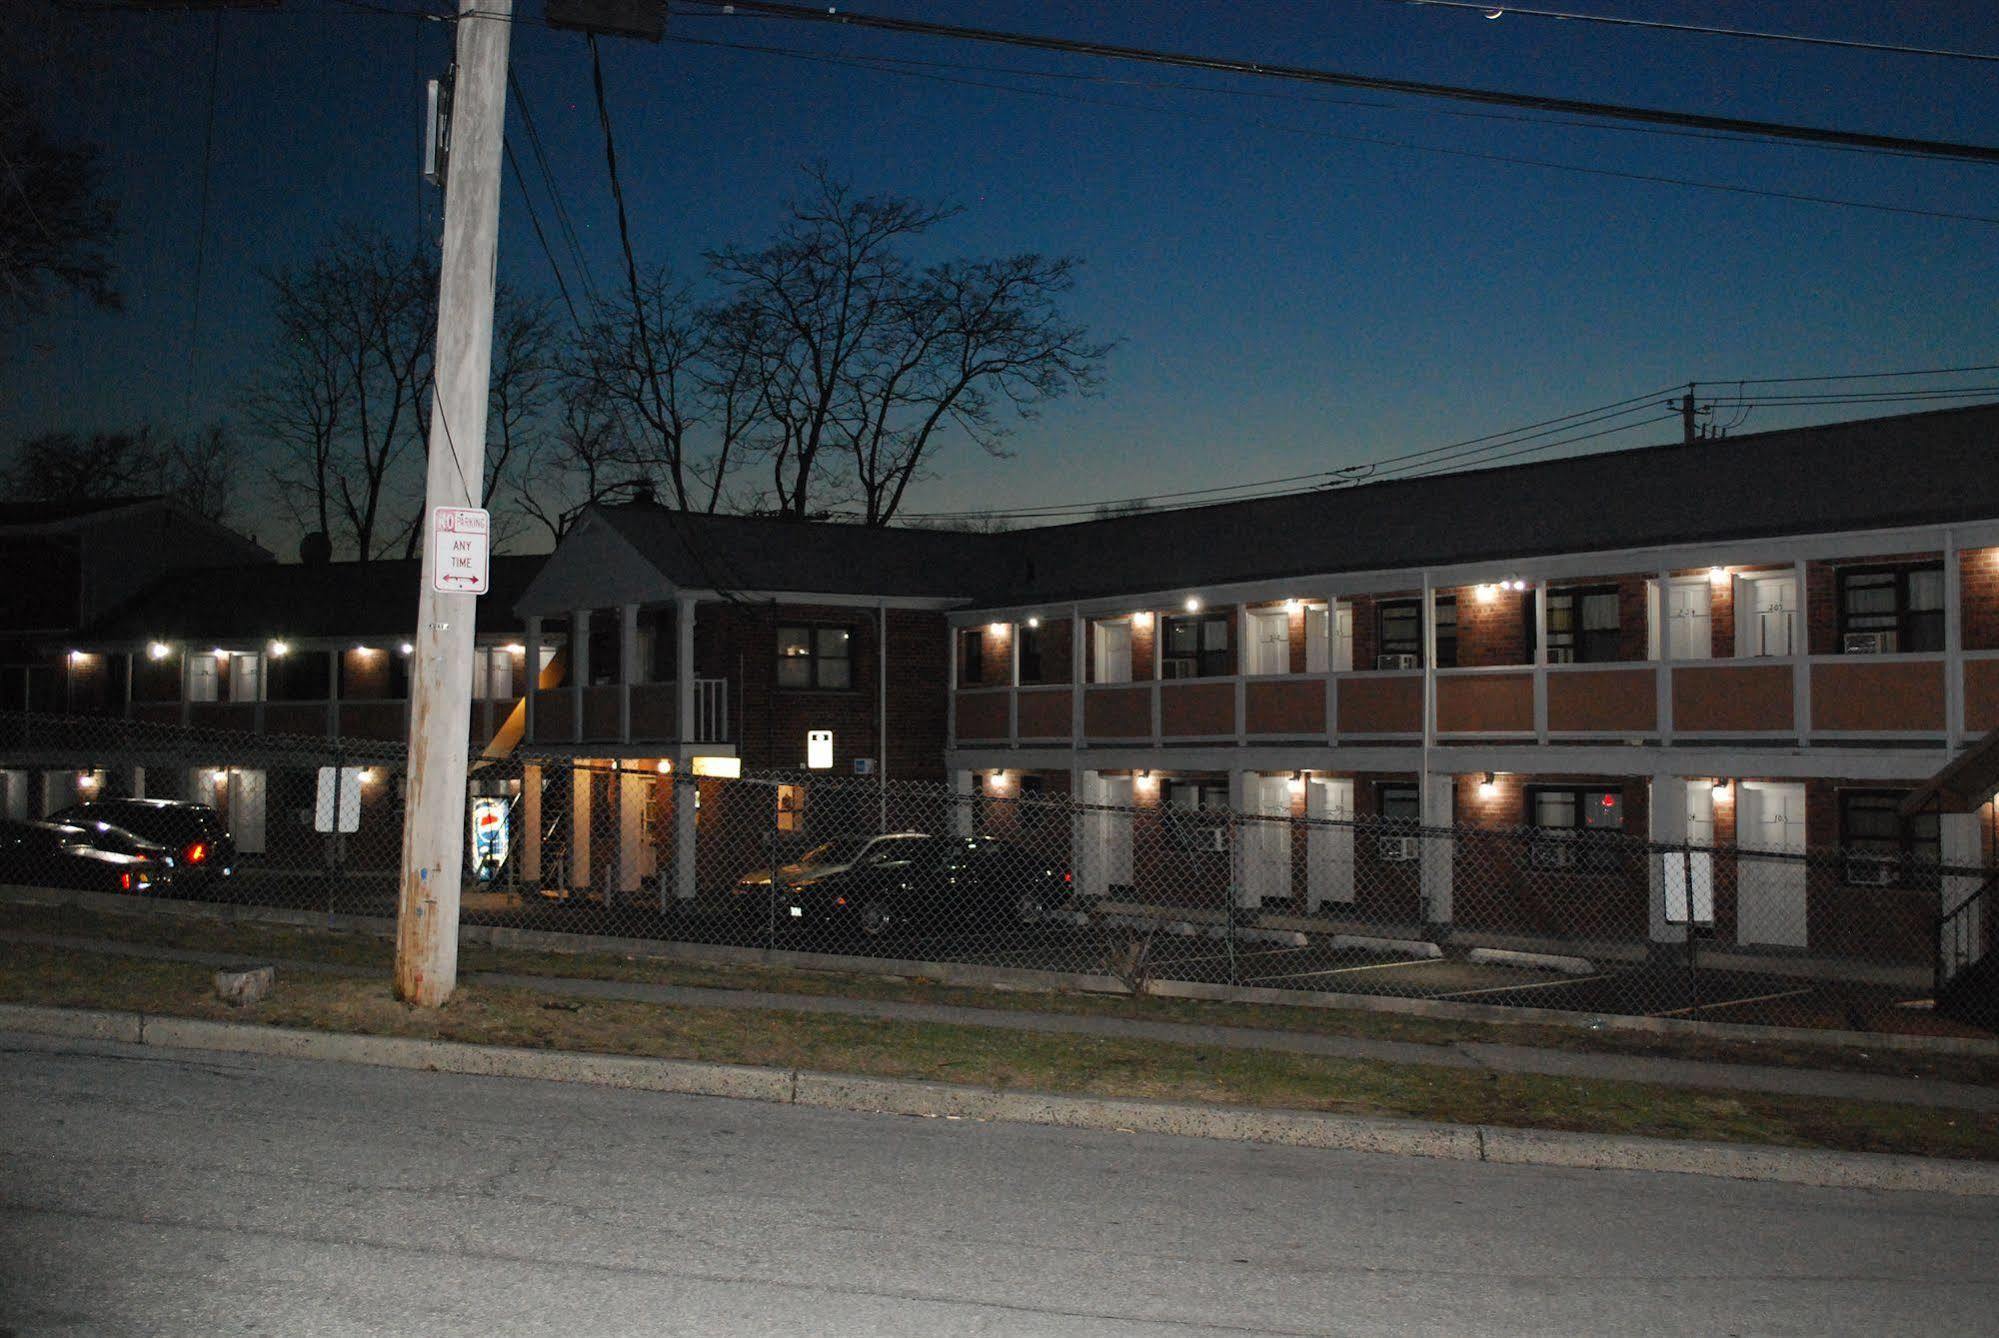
(1582, 624)
(790, 808)
(299, 676)
(606, 646)
(1193, 814)
(1884, 848)
(1196, 646)
(1399, 633)
(971, 655)
(658, 644)
(1575, 826)
(1399, 805)
(815, 657)
(1030, 815)
(1029, 644)
(1884, 610)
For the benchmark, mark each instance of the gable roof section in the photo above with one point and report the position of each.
(334, 599)
(702, 552)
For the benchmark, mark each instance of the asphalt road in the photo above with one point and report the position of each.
(147, 1193)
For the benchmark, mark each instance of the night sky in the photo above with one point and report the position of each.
(1288, 300)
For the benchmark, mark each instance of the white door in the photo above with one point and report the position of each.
(245, 677)
(1116, 839)
(246, 811)
(1318, 638)
(1770, 891)
(1687, 619)
(1329, 844)
(1343, 639)
(1766, 615)
(1114, 652)
(1694, 872)
(203, 678)
(1266, 866)
(1269, 642)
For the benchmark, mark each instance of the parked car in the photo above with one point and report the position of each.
(100, 859)
(194, 834)
(962, 884)
(753, 892)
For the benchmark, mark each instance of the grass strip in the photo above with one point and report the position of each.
(257, 940)
(1003, 1059)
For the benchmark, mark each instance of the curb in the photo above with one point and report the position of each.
(903, 1096)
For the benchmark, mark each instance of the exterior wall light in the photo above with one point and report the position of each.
(280, 649)
(1489, 787)
(1034, 621)
(1193, 604)
(406, 648)
(1719, 790)
(158, 650)
(1143, 618)
(1487, 593)
(1293, 605)
(1718, 575)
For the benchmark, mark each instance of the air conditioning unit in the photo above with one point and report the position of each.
(1870, 872)
(1397, 662)
(1397, 849)
(1561, 655)
(1868, 643)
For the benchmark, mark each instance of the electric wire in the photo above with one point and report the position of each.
(1491, 11)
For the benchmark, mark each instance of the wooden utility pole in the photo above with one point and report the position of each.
(435, 814)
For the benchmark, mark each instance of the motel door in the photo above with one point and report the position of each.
(246, 811)
(1266, 871)
(1691, 879)
(1328, 845)
(1768, 621)
(1104, 859)
(1770, 892)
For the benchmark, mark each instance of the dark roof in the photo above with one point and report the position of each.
(703, 552)
(54, 511)
(335, 599)
(1911, 469)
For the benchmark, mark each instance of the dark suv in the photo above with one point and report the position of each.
(202, 849)
(954, 884)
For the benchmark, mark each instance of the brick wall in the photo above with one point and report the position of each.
(1978, 575)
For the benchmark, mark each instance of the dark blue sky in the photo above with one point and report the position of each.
(1287, 300)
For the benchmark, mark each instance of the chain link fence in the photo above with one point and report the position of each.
(1174, 886)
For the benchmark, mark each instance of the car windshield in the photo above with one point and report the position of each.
(106, 837)
(834, 852)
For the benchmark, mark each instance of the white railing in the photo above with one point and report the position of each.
(711, 711)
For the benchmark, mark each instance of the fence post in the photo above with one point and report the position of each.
(1693, 950)
(1234, 836)
(771, 863)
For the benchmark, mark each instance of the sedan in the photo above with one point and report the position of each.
(101, 858)
(193, 833)
(964, 884)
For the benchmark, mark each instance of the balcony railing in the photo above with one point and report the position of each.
(1830, 697)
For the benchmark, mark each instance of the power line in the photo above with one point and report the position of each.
(1852, 376)
(534, 218)
(1892, 48)
(1984, 153)
(564, 223)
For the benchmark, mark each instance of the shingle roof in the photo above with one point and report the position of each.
(702, 552)
(51, 512)
(335, 599)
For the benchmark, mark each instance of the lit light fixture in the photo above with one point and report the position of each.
(997, 629)
(280, 649)
(220, 776)
(367, 775)
(78, 656)
(86, 780)
(516, 648)
(219, 653)
(1717, 575)
(1143, 618)
(364, 650)
(1719, 789)
(717, 767)
(1519, 584)
(1193, 604)
(1489, 787)
(1297, 782)
(406, 648)
(1487, 593)
(1034, 621)
(665, 766)
(157, 650)
(1293, 605)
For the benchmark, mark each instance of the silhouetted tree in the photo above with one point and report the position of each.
(56, 225)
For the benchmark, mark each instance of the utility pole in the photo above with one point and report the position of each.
(1687, 433)
(435, 821)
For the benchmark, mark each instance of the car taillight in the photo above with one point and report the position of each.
(125, 882)
(1068, 878)
(197, 853)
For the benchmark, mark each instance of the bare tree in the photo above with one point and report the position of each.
(346, 398)
(56, 227)
(580, 462)
(863, 361)
(64, 466)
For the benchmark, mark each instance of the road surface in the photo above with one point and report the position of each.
(152, 1192)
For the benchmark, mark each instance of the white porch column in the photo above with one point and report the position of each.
(685, 726)
(1438, 851)
(1672, 870)
(1959, 849)
(632, 785)
(580, 775)
(531, 822)
(964, 785)
(686, 792)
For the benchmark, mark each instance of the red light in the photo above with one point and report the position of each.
(839, 901)
(196, 853)
(1610, 801)
(1068, 878)
(125, 881)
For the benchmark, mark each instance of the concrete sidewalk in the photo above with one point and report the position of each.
(1824, 1083)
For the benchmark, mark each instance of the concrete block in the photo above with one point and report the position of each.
(1534, 961)
(1388, 947)
(246, 986)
